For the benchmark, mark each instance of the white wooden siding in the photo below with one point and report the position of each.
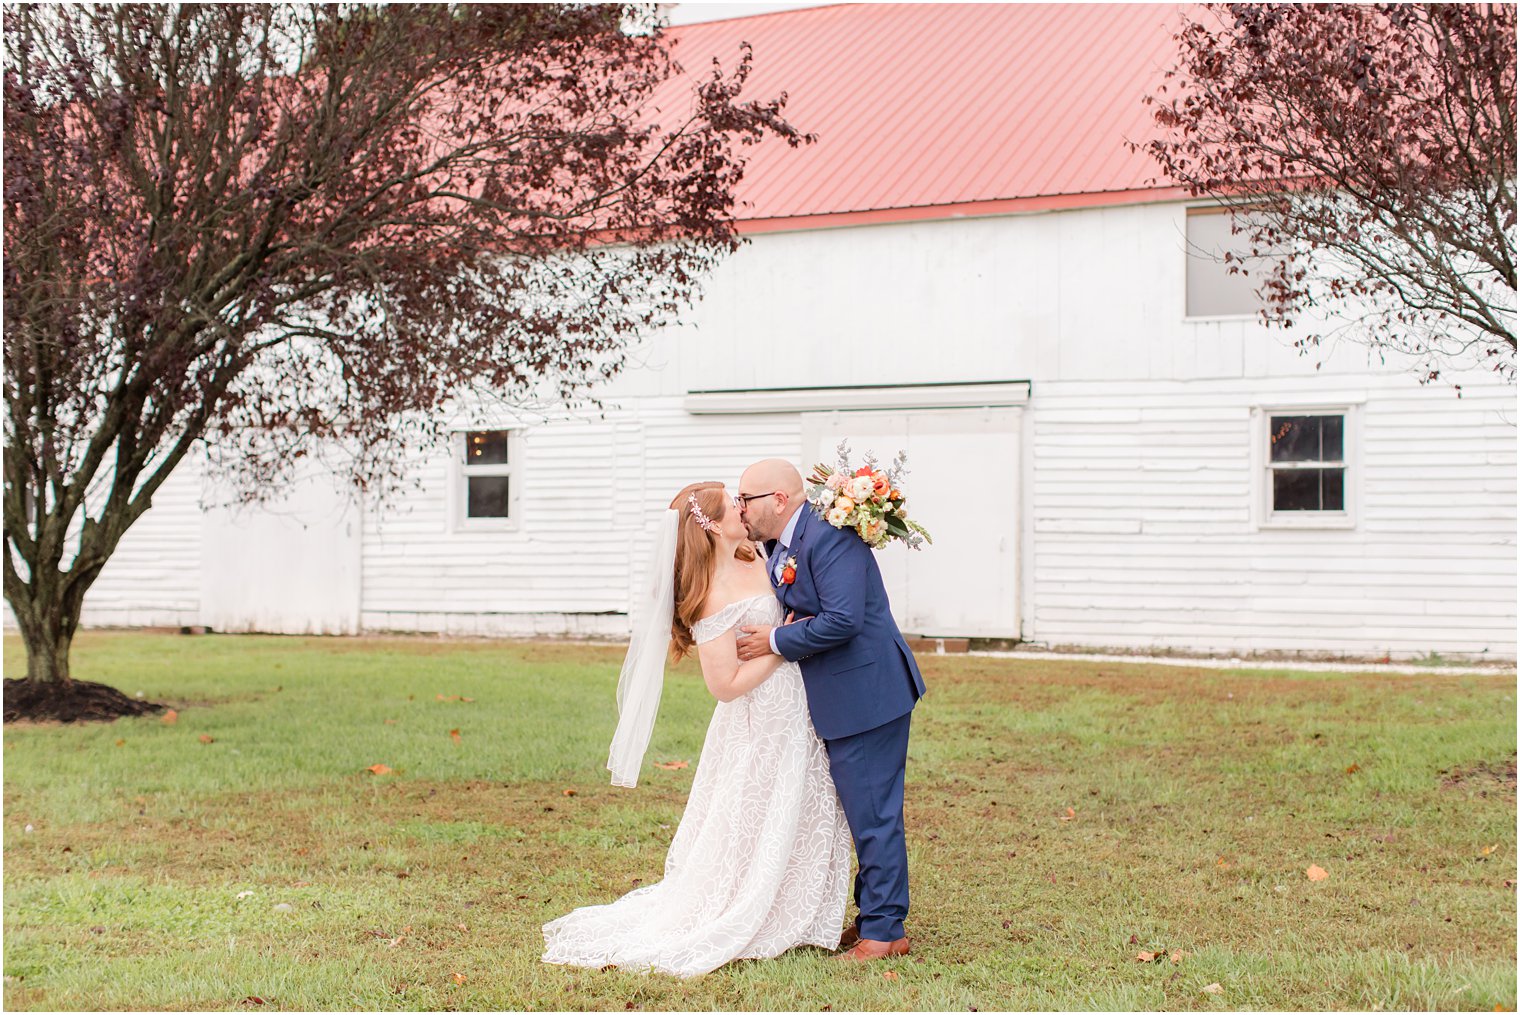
(588, 491)
(1144, 537)
(1136, 508)
(154, 577)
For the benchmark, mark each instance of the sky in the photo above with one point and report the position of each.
(687, 14)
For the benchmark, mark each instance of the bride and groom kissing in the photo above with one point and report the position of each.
(805, 754)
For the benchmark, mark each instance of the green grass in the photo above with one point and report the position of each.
(1198, 799)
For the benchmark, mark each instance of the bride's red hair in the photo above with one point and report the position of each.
(696, 559)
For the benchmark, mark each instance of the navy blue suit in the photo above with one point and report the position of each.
(862, 683)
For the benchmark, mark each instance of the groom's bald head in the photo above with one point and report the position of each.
(778, 485)
(775, 473)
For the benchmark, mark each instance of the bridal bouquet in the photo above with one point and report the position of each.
(865, 499)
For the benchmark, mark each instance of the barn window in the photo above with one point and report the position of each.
(1212, 250)
(1306, 462)
(488, 476)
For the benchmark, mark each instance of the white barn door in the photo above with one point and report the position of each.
(963, 486)
(289, 567)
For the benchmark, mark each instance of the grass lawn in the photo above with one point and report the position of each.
(1062, 817)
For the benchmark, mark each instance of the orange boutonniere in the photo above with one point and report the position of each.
(789, 570)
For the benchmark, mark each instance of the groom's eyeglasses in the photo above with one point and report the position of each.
(741, 501)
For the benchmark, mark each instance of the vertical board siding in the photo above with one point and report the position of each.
(1144, 532)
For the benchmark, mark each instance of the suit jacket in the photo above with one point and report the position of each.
(858, 671)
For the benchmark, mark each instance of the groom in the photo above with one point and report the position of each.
(861, 679)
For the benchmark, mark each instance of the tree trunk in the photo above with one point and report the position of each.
(48, 618)
(48, 634)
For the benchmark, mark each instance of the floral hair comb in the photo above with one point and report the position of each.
(696, 512)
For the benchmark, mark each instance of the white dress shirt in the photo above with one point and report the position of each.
(784, 544)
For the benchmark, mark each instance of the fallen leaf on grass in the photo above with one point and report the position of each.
(244, 895)
(1353, 768)
(1316, 872)
(250, 999)
(1071, 812)
(454, 697)
(454, 736)
(672, 765)
(460, 978)
(119, 743)
(379, 769)
(207, 738)
(1178, 957)
(567, 792)
(170, 718)
(889, 975)
(1213, 988)
(462, 927)
(1489, 849)
(390, 722)
(1146, 956)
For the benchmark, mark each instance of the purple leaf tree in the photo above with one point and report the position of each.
(269, 228)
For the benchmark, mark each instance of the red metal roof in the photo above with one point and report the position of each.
(938, 110)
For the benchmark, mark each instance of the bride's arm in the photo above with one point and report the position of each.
(726, 677)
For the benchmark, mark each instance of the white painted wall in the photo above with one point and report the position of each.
(154, 577)
(1144, 532)
(289, 567)
(1128, 476)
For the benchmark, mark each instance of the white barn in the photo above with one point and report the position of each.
(969, 264)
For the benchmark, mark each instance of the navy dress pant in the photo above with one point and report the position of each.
(868, 771)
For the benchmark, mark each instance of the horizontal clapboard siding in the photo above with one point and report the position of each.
(588, 492)
(154, 577)
(1144, 535)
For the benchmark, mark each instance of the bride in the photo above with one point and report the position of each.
(761, 860)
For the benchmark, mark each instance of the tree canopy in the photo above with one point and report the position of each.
(1370, 151)
(281, 226)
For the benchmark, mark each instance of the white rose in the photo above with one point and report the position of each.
(863, 487)
(837, 517)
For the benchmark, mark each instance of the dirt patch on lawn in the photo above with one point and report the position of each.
(1481, 777)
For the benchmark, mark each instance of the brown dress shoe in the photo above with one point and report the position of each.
(851, 936)
(865, 950)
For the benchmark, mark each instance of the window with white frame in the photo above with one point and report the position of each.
(1306, 464)
(488, 472)
(1213, 290)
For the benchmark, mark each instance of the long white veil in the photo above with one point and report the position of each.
(643, 675)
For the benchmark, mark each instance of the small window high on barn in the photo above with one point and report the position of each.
(1212, 250)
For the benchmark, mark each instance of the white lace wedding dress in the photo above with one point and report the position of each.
(761, 860)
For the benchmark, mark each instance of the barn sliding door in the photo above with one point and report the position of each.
(963, 485)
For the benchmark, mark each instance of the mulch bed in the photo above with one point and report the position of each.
(74, 701)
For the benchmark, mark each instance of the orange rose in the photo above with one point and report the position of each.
(864, 470)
